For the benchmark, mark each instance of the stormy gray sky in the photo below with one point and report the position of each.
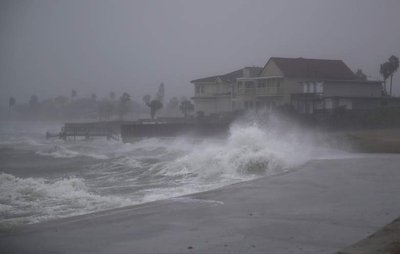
(49, 47)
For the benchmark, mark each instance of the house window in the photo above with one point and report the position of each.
(197, 89)
(347, 103)
(249, 84)
(328, 104)
(202, 88)
(320, 88)
(306, 87)
(261, 83)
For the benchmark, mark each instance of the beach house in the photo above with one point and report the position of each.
(309, 85)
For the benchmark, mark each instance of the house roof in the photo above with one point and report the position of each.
(313, 68)
(231, 76)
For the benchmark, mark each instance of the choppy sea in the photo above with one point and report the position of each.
(47, 179)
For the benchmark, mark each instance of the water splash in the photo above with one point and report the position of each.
(152, 169)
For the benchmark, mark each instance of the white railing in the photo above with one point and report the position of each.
(268, 91)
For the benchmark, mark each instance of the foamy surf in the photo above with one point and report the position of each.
(30, 200)
(59, 151)
(149, 170)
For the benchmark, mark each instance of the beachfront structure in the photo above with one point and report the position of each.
(215, 94)
(309, 85)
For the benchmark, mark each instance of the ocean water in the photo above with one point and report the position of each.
(47, 179)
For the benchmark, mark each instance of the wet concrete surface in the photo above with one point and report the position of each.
(321, 207)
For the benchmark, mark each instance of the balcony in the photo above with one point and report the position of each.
(269, 91)
(246, 91)
(264, 91)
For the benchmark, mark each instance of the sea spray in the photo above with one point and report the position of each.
(151, 169)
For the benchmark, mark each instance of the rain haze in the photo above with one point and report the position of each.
(49, 48)
(209, 126)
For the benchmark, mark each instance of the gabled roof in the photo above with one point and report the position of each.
(231, 76)
(313, 68)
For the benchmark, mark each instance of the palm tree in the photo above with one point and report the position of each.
(360, 75)
(394, 65)
(155, 105)
(11, 103)
(123, 106)
(160, 93)
(385, 72)
(186, 107)
(73, 94)
(112, 95)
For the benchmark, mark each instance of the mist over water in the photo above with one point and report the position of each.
(45, 179)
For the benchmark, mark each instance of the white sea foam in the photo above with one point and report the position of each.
(248, 152)
(60, 151)
(37, 199)
(152, 169)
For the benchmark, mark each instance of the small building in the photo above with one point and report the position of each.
(309, 85)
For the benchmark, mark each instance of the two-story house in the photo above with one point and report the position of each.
(308, 85)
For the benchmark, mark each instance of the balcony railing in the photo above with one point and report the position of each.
(246, 91)
(222, 94)
(265, 91)
(269, 91)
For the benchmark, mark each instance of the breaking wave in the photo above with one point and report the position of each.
(59, 151)
(32, 200)
(151, 169)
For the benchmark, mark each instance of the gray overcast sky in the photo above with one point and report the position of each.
(49, 47)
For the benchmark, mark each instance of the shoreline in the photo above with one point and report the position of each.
(322, 207)
(367, 140)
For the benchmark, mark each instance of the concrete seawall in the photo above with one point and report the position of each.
(133, 131)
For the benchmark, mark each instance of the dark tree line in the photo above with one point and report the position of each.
(74, 108)
(93, 108)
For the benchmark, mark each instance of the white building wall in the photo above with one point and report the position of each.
(208, 106)
(224, 104)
